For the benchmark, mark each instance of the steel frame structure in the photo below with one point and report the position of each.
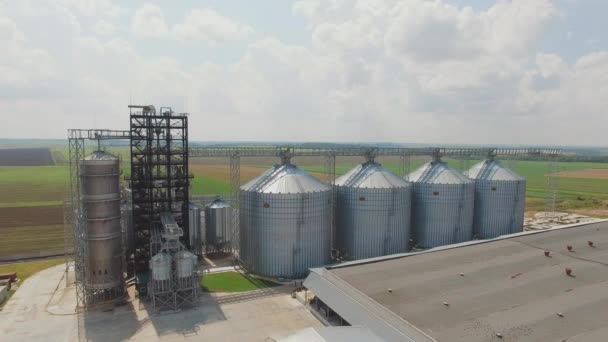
(464, 154)
(177, 292)
(75, 233)
(159, 178)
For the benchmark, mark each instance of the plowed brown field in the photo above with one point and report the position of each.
(586, 173)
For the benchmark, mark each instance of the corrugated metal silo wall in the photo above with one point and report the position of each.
(194, 223)
(442, 214)
(373, 222)
(499, 208)
(283, 235)
(218, 223)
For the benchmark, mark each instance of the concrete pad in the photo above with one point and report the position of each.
(43, 309)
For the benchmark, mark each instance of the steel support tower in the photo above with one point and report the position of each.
(159, 175)
(75, 232)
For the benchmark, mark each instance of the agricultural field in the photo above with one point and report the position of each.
(31, 197)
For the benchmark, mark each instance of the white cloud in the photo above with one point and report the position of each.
(148, 21)
(95, 8)
(104, 28)
(383, 70)
(211, 27)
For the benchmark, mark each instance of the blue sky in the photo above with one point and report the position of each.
(496, 72)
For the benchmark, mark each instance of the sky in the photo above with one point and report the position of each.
(532, 72)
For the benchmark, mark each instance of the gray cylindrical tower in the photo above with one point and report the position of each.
(500, 196)
(442, 210)
(100, 195)
(285, 222)
(372, 212)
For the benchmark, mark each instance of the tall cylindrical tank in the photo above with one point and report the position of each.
(442, 210)
(500, 196)
(373, 211)
(285, 222)
(184, 264)
(217, 223)
(160, 264)
(99, 174)
(194, 220)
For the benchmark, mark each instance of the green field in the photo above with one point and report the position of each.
(205, 185)
(233, 282)
(533, 171)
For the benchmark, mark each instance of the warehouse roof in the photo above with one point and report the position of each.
(481, 290)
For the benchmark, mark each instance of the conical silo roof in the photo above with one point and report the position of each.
(217, 204)
(491, 169)
(437, 172)
(371, 175)
(285, 179)
(100, 155)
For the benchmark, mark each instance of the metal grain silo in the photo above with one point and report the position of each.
(285, 222)
(500, 196)
(442, 205)
(195, 228)
(99, 173)
(217, 224)
(373, 211)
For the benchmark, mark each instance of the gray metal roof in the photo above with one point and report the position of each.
(334, 334)
(218, 204)
(285, 179)
(100, 155)
(492, 169)
(475, 290)
(438, 172)
(371, 175)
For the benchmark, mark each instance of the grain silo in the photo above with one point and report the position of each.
(372, 212)
(285, 222)
(442, 205)
(500, 196)
(100, 194)
(218, 225)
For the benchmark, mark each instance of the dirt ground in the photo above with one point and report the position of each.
(586, 173)
(30, 216)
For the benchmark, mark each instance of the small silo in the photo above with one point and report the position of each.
(442, 205)
(185, 263)
(500, 196)
(373, 210)
(285, 222)
(100, 194)
(217, 224)
(195, 228)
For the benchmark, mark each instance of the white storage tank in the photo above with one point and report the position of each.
(373, 212)
(185, 263)
(500, 196)
(195, 228)
(218, 224)
(160, 264)
(442, 205)
(285, 222)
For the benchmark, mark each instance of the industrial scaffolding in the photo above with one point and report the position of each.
(178, 291)
(159, 178)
